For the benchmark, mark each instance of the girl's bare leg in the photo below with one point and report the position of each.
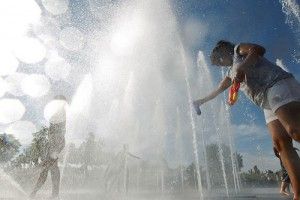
(283, 188)
(290, 159)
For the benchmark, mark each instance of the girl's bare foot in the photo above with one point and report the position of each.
(284, 193)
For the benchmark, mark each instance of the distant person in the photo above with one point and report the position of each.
(276, 91)
(285, 179)
(56, 143)
(117, 170)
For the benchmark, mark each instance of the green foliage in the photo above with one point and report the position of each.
(239, 159)
(9, 147)
(256, 177)
(88, 153)
(215, 165)
(37, 149)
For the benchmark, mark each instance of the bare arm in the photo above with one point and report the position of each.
(252, 52)
(224, 84)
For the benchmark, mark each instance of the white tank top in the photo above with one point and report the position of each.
(258, 78)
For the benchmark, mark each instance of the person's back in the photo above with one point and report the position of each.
(285, 179)
(55, 111)
(258, 78)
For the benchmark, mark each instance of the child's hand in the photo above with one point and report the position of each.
(199, 102)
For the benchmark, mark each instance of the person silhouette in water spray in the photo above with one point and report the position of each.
(117, 169)
(276, 91)
(56, 143)
(285, 179)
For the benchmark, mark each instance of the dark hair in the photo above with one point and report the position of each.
(217, 51)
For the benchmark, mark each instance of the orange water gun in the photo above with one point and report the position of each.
(233, 93)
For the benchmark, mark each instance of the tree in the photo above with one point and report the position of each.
(256, 177)
(39, 146)
(239, 159)
(215, 164)
(9, 147)
(37, 149)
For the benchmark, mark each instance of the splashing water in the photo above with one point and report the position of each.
(10, 180)
(134, 64)
(221, 155)
(229, 134)
(79, 106)
(205, 158)
(207, 81)
(201, 64)
(260, 156)
(292, 11)
(225, 112)
(178, 146)
(162, 181)
(192, 120)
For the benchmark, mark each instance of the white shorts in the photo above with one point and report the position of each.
(281, 93)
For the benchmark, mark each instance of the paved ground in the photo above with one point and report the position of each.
(88, 195)
(11, 193)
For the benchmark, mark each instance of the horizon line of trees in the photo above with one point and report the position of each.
(90, 153)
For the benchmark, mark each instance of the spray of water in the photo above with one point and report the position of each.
(79, 106)
(291, 9)
(162, 181)
(10, 180)
(178, 147)
(125, 177)
(201, 64)
(205, 158)
(207, 81)
(260, 156)
(221, 156)
(192, 120)
(228, 131)
(225, 112)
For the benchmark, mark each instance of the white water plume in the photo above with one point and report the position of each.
(291, 9)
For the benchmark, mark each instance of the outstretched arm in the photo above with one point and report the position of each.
(224, 84)
(252, 52)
